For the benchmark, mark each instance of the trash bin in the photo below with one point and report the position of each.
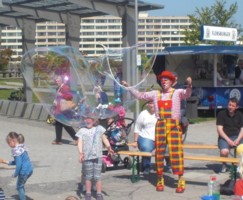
(191, 107)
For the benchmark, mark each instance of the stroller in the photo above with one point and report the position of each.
(117, 137)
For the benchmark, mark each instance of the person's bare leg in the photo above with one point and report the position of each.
(88, 185)
(224, 153)
(98, 186)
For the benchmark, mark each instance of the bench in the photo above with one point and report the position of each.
(135, 162)
(212, 158)
(200, 146)
(136, 158)
(189, 146)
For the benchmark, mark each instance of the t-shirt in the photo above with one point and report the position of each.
(231, 125)
(145, 125)
(92, 141)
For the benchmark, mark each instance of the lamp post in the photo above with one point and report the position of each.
(136, 54)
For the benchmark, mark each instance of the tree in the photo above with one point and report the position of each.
(5, 56)
(216, 15)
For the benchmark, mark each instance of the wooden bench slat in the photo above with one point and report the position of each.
(135, 153)
(190, 146)
(200, 146)
(212, 158)
(187, 157)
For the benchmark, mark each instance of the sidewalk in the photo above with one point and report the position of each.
(57, 170)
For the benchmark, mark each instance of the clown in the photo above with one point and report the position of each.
(167, 131)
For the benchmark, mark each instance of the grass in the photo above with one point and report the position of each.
(5, 94)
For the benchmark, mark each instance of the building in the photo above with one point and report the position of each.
(103, 30)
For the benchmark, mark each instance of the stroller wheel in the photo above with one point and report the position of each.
(103, 170)
(127, 162)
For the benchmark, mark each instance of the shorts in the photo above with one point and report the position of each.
(92, 169)
(222, 144)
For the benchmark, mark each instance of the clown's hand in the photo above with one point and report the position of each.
(124, 83)
(189, 81)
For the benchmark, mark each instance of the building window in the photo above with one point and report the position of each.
(165, 21)
(149, 20)
(175, 21)
(166, 27)
(101, 39)
(88, 20)
(100, 21)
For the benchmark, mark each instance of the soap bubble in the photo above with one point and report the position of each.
(113, 63)
(70, 86)
(112, 66)
(59, 77)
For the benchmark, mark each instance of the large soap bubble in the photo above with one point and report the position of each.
(60, 79)
(70, 86)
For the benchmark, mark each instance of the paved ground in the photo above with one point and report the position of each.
(57, 170)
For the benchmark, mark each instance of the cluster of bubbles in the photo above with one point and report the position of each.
(71, 87)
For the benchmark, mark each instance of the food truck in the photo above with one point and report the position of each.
(212, 69)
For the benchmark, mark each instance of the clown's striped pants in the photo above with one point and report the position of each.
(168, 132)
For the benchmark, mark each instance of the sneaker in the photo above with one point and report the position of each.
(99, 197)
(88, 196)
(181, 186)
(224, 168)
(160, 184)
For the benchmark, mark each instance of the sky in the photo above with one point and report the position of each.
(185, 7)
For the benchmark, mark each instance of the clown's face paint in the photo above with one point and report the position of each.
(166, 83)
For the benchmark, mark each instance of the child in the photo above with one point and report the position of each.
(24, 167)
(90, 149)
(117, 135)
(121, 112)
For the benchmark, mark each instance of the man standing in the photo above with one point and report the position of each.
(167, 103)
(230, 129)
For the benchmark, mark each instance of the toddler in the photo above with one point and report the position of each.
(117, 135)
(24, 168)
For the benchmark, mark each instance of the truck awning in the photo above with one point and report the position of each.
(209, 49)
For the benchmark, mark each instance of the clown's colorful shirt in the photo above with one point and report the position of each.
(154, 95)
